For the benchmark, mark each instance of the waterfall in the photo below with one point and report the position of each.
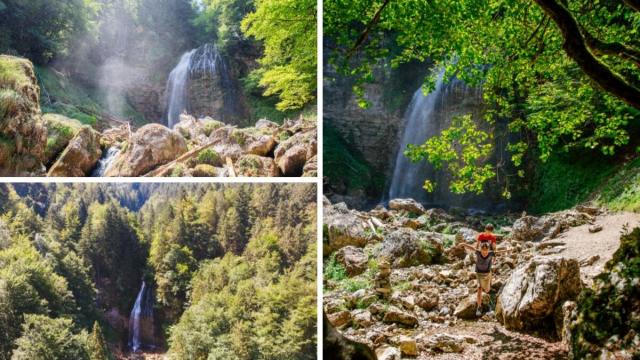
(419, 125)
(426, 117)
(203, 60)
(141, 320)
(107, 158)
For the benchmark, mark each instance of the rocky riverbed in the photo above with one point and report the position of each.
(424, 306)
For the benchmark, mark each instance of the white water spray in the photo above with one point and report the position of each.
(140, 315)
(105, 162)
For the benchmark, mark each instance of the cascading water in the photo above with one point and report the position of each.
(426, 117)
(107, 158)
(408, 177)
(203, 61)
(141, 320)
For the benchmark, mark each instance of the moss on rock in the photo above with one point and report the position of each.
(608, 313)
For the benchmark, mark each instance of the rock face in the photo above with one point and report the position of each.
(534, 291)
(406, 247)
(607, 325)
(150, 146)
(353, 259)
(80, 156)
(23, 136)
(342, 227)
(292, 154)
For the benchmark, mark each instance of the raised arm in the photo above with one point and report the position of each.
(469, 247)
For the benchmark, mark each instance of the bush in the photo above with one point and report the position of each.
(333, 270)
(209, 157)
(47, 338)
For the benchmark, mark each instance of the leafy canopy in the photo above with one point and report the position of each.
(516, 52)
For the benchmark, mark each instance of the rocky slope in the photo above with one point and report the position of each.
(32, 144)
(400, 281)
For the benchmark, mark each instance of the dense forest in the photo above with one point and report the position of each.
(231, 270)
(558, 110)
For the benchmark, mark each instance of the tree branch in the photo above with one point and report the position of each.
(634, 4)
(365, 34)
(576, 48)
(615, 48)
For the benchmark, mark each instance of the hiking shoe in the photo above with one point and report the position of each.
(478, 312)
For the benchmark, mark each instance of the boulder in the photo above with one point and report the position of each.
(151, 146)
(466, 235)
(405, 247)
(531, 228)
(408, 205)
(292, 154)
(428, 302)
(353, 259)
(261, 145)
(447, 343)
(23, 135)
(255, 165)
(466, 309)
(60, 130)
(80, 156)
(362, 318)
(343, 227)
(311, 167)
(534, 291)
(336, 346)
(397, 316)
(189, 127)
(340, 318)
(408, 346)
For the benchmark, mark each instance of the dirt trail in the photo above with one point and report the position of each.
(582, 245)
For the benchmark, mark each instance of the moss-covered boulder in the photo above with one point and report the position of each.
(60, 130)
(22, 133)
(80, 156)
(608, 313)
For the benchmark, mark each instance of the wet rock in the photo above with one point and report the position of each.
(408, 205)
(80, 156)
(534, 291)
(353, 259)
(397, 316)
(343, 227)
(152, 145)
(406, 247)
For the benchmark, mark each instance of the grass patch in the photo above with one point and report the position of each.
(333, 270)
(355, 284)
(622, 191)
(12, 73)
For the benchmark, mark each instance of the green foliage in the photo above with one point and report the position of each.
(355, 284)
(47, 338)
(509, 48)
(96, 345)
(220, 19)
(463, 148)
(564, 181)
(606, 309)
(622, 190)
(345, 166)
(209, 156)
(333, 270)
(52, 26)
(288, 31)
